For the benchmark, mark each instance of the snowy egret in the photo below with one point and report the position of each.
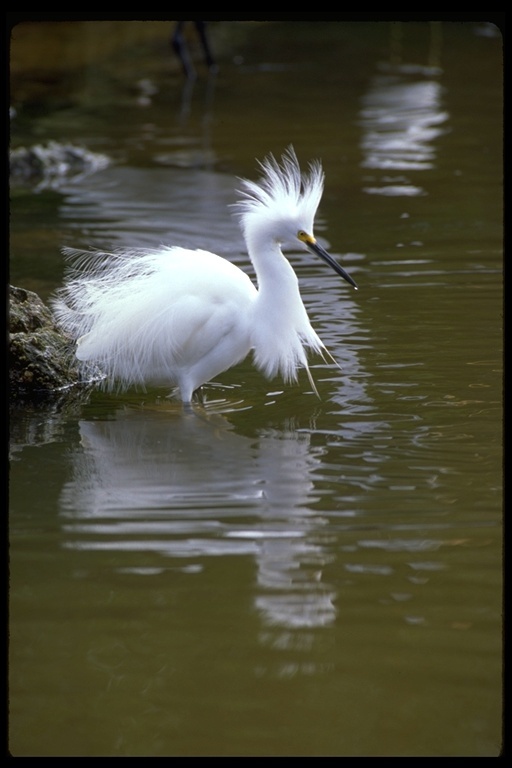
(182, 317)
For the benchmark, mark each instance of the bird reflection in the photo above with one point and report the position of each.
(163, 484)
(401, 116)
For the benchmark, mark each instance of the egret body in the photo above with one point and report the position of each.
(181, 317)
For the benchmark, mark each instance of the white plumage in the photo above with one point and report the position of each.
(180, 317)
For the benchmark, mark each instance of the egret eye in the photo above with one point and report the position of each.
(303, 235)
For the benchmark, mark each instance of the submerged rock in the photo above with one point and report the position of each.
(49, 165)
(42, 363)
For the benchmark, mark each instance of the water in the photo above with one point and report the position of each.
(277, 574)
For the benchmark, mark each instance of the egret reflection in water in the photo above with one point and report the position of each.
(163, 487)
(401, 115)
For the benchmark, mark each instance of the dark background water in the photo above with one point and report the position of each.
(276, 574)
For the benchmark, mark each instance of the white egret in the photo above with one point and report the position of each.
(181, 317)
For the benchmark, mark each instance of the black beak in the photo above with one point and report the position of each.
(315, 248)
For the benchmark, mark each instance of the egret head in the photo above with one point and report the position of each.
(282, 205)
(284, 201)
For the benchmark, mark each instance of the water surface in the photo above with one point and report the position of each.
(273, 574)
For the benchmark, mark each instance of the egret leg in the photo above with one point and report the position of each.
(180, 49)
(179, 45)
(208, 56)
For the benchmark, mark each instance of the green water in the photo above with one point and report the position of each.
(275, 574)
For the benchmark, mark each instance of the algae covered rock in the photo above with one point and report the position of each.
(41, 359)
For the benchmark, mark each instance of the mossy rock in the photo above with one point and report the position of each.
(41, 359)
